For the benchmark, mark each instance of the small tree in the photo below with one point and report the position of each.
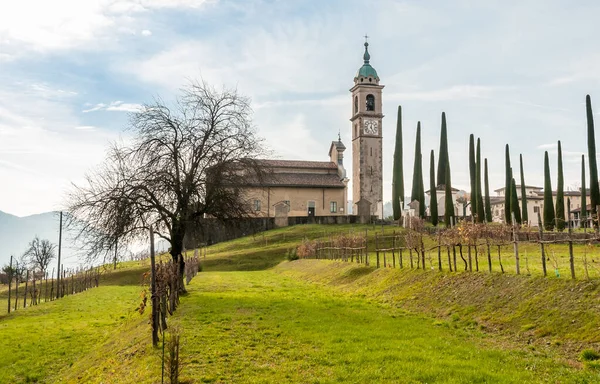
(414, 195)
(524, 215)
(433, 207)
(480, 210)
(185, 162)
(421, 190)
(39, 253)
(448, 204)
(591, 142)
(560, 194)
(583, 216)
(514, 202)
(472, 174)
(488, 205)
(398, 173)
(548, 204)
(441, 170)
(507, 218)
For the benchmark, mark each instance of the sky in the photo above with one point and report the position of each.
(513, 72)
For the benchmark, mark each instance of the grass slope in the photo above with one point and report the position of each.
(264, 327)
(244, 323)
(41, 343)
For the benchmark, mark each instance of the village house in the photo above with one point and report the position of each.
(535, 204)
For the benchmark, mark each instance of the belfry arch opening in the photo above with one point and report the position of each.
(370, 103)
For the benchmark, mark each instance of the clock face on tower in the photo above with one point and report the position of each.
(371, 127)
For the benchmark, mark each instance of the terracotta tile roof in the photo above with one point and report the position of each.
(303, 180)
(298, 164)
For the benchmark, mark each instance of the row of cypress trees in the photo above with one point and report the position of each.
(480, 202)
(418, 190)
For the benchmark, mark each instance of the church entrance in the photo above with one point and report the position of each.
(311, 208)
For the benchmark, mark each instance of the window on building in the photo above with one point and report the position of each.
(370, 103)
(333, 207)
(355, 104)
(536, 209)
(257, 205)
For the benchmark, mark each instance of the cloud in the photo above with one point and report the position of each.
(118, 106)
(44, 148)
(146, 32)
(455, 92)
(548, 146)
(64, 24)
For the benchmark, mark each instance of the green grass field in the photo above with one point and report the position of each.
(246, 319)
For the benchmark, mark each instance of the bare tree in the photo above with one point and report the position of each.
(39, 253)
(183, 163)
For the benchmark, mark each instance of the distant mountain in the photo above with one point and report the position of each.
(16, 232)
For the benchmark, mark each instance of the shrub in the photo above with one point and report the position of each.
(589, 355)
(292, 254)
(307, 249)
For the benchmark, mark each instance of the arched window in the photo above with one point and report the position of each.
(370, 103)
(355, 104)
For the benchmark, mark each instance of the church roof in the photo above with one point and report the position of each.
(299, 164)
(367, 70)
(309, 180)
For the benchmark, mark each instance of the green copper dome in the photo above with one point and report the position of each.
(367, 70)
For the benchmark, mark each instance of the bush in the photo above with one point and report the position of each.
(307, 249)
(292, 254)
(589, 355)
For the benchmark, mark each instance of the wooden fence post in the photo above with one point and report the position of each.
(377, 247)
(17, 286)
(154, 298)
(489, 255)
(470, 259)
(515, 244)
(541, 232)
(571, 257)
(59, 253)
(25, 293)
(10, 273)
(439, 249)
(394, 248)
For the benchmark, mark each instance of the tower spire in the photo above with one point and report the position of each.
(366, 56)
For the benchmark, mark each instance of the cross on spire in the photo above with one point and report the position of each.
(366, 38)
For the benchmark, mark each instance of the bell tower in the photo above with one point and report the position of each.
(367, 116)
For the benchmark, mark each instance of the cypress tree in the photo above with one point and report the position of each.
(421, 188)
(433, 207)
(548, 204)
(488, 205)
(448, 204)
(591, 141)
(398, 172)
(441, 169)
(507, 218)
(514, 202)
(414, 195)
(480, 211)
(560, 194)
(524, 214)
(583, 215)
(472, 171)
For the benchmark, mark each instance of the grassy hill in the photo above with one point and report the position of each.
(248, 318)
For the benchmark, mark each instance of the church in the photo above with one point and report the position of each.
(320, 188)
